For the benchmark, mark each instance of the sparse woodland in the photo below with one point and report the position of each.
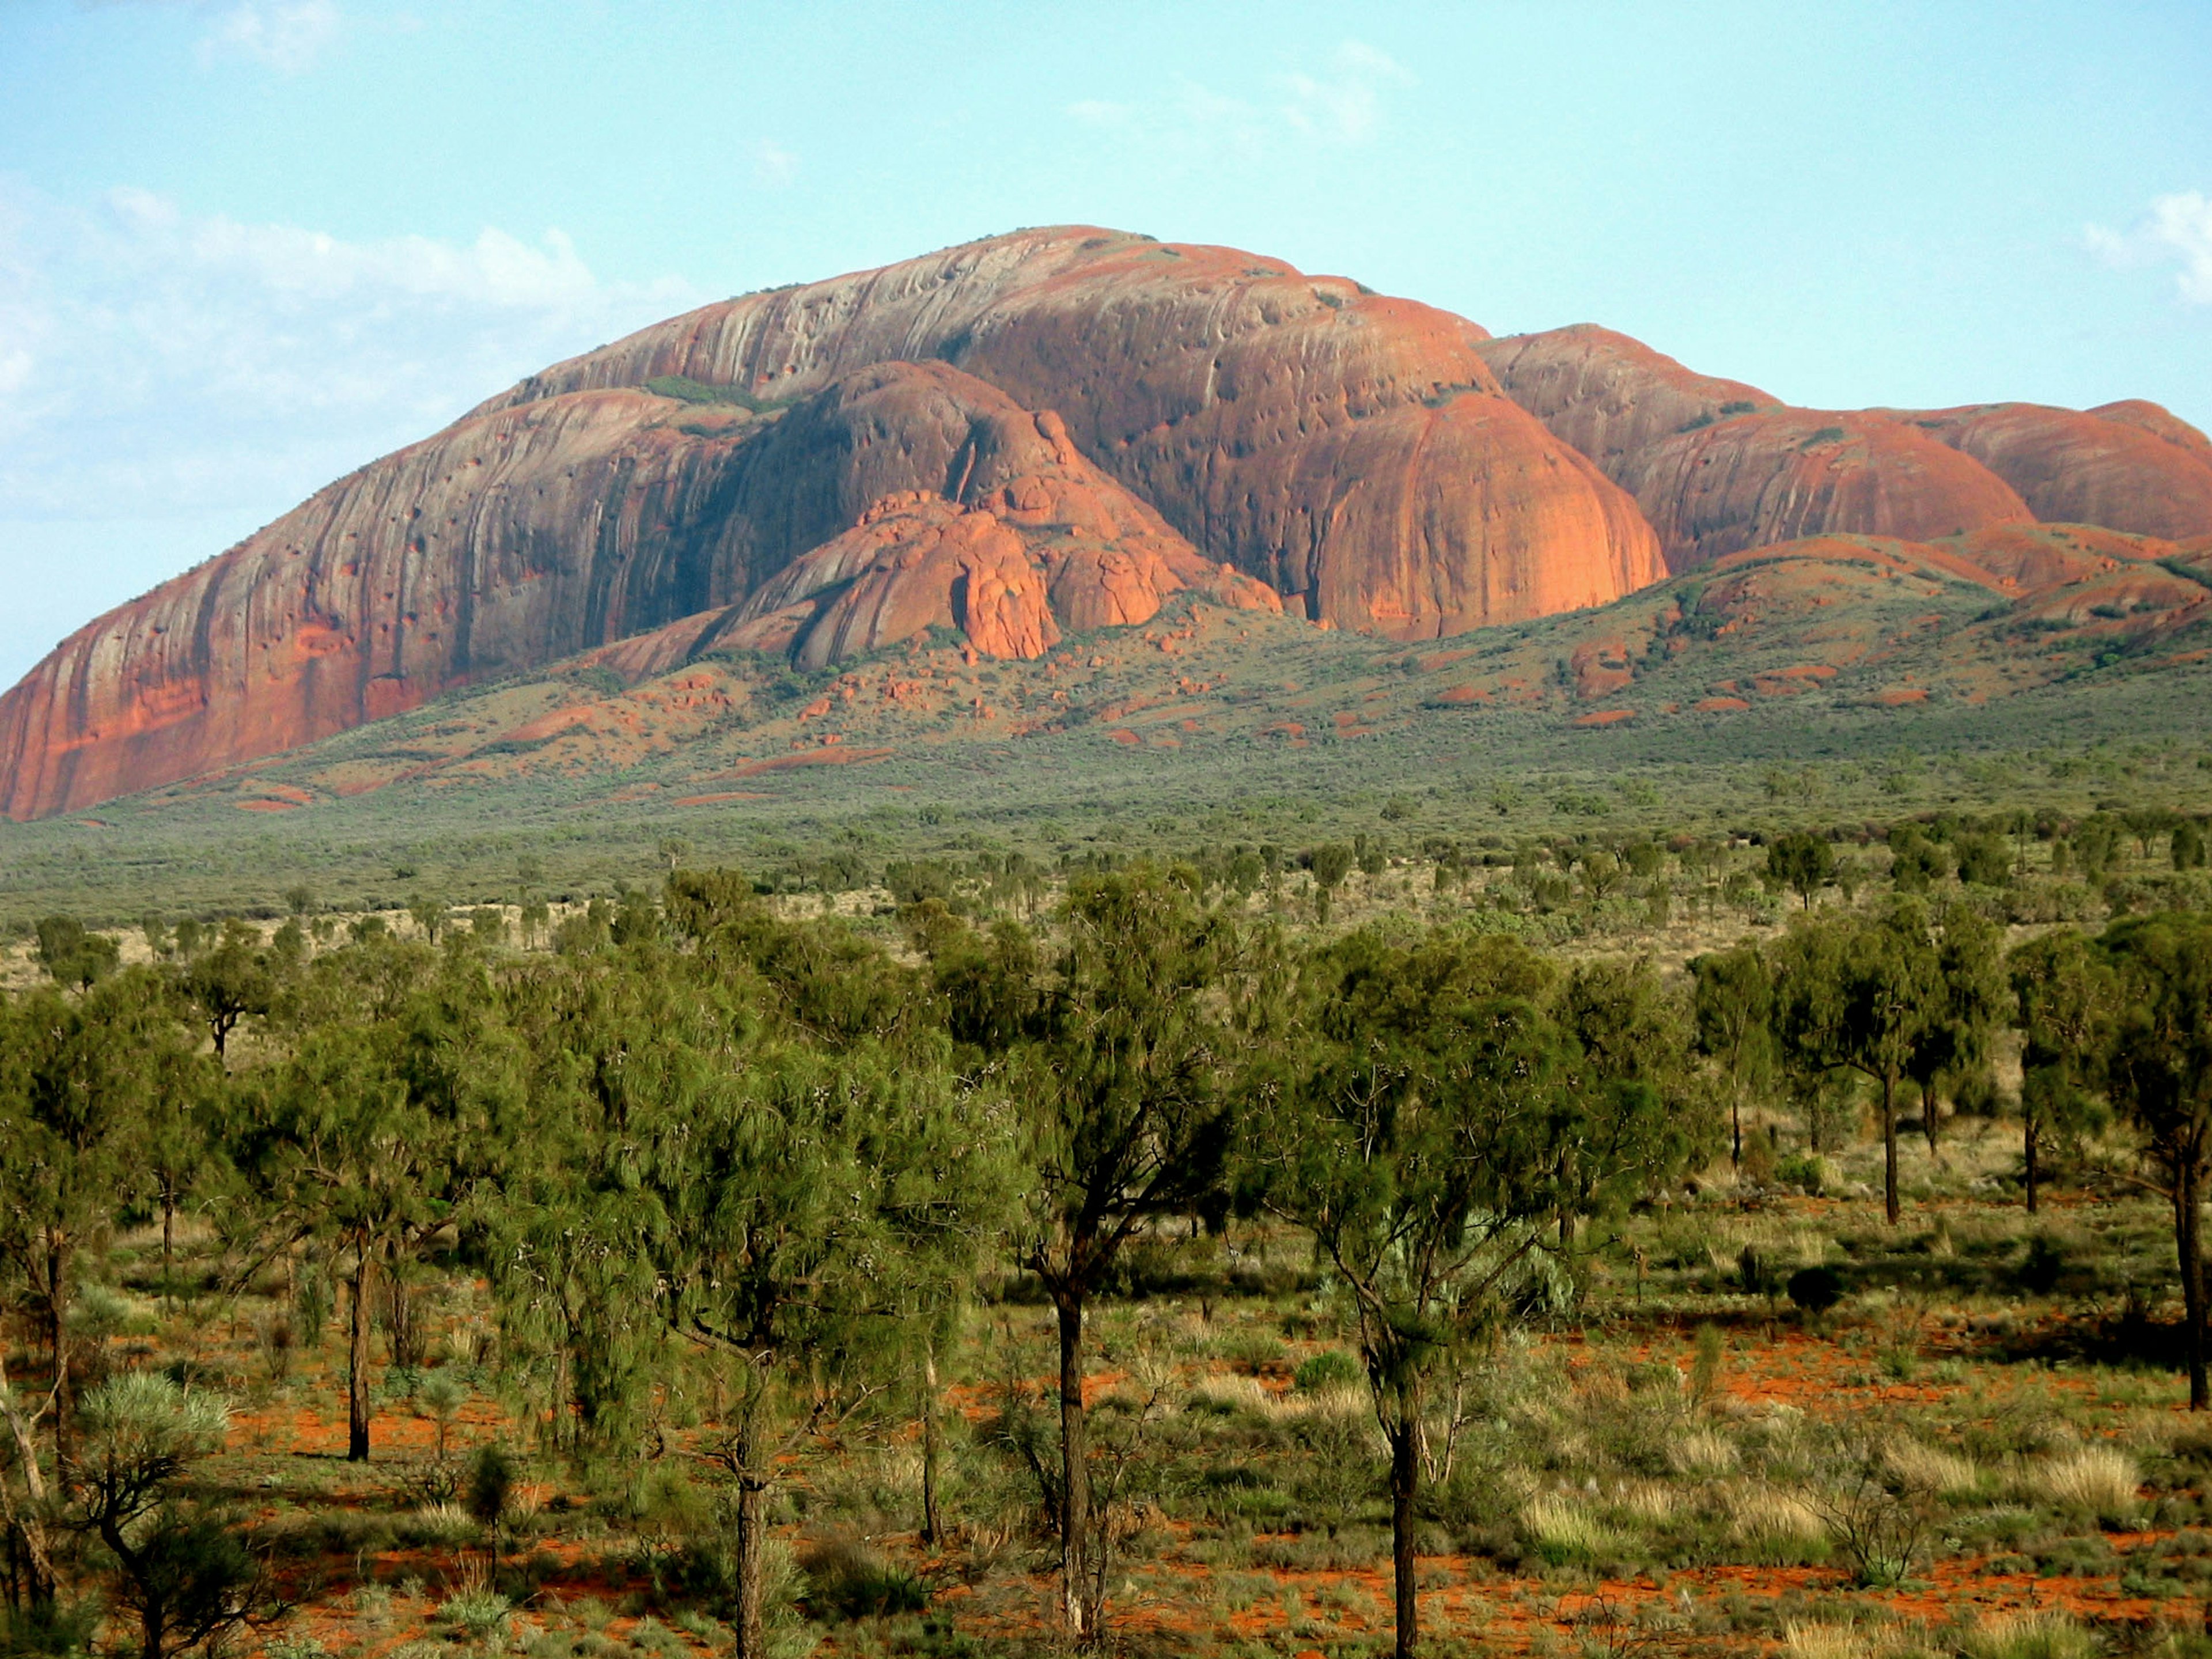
(1248, 1252)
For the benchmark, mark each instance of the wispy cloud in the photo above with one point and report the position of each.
(2177, 231)
(773, 164)
(158, 360)
(1344, 103)
(284, 35)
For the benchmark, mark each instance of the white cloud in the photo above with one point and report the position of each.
(773, 164)
(284, 35)
(160, 365)
(2178, 230)
(1345, 104)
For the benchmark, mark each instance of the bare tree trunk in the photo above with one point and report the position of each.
(1927, 1125)
(168, 1244)
(1736, 1124)
(1405, 1434)
(2186, 1198)
(31, 1528)
(1080, 1608)
(58, 1255)
(929, 1529)
(358, 1356)
(752, 1517)
(2028, 1151)
(1889, 1149)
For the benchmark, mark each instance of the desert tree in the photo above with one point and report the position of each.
(2158, 1066)
(76, 1074)
(372, 1131)
(1953, 1043)
(1803, 862)
(1857, 993)
(1420, 1125)
(1116, 1054)
(183, 1569)
(804, 1195)
(2063, 991)
(1733, 1005)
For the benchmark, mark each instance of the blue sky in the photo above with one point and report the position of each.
(248, 244)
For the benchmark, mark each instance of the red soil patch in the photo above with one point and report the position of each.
(811, 757)
(1124, 736)
(268, 806)
(1606, 717)
(1464, 694)
(710, 800)
(1896, 697)
(1720, 705)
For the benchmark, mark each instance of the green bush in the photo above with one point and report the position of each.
(847, 1580)
(1330, 1369)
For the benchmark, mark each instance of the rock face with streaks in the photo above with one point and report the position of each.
(1023, 439)
(1718, 466)
(2128, 466)
(1138, 418)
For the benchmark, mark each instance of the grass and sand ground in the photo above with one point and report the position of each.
(1983, 1448)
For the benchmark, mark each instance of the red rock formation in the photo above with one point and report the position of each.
(2131, 466)
(2159, 422)
(1354, 448)
(1717, 465)
(1344, 447)
(510, 540)
(1788, 473)
(1609, 396)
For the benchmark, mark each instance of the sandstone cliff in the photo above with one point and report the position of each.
(1129, 417)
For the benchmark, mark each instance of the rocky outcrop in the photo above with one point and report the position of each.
(1609, 396)
(1718, 466)
(2128, 466)
(1022, 439)
(510, 540)
(524, 535)
(1301, 432)
(1354, 452)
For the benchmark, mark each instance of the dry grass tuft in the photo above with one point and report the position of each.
(1932, 1469)
(1650, 1502)
(1825, 1642)
(1702, 1452)
(1565, 1530)
(1773, 1515)
(2102, 1480)
(2040, 1635)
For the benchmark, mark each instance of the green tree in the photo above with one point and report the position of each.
(1803, 862)
(1427, 1125)
(229, 983)
(373, 1129)
(1953, 1041)
(2063, 992)
(182, 1570)
(1118, 1070)
(2186, 846)
(1332, 862)
(75, 1079)
(1734, 1005)
(72, 954)
(1856, 992)
(2158, 1064)
(805, 1195)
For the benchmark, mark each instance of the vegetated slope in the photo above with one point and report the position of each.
(1021, 440)
(1718, 466)
(1349, 450)
(1708, 665)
